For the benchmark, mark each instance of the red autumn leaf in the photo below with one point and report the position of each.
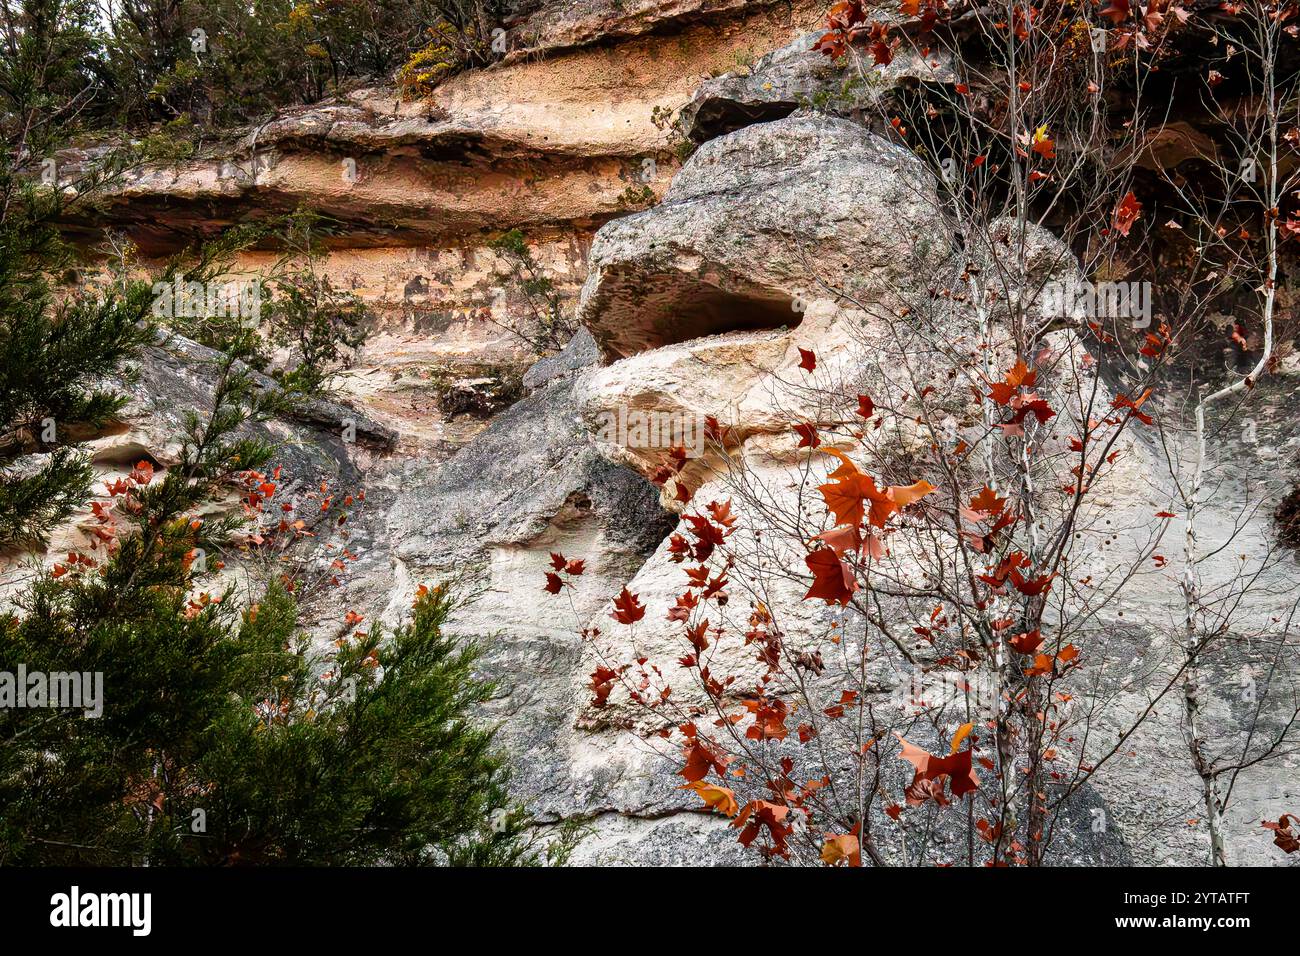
(962, 733)
(1032, 587)
(708, 535)
(807, 360)
(1042, 665)
(602, 682)
(685, 604)
(760, 814)
(847, 496)
(846, 14)
(1238, 337)
(721, 513)
(1045, 663)
(697, 636)
(1017, 378)
(832, 44)
(833, 582)
(846, 539)
(1021, 375)
(701, 757)
(1127, 213)
(1028, 642)
(769, 719)
(553, 583)
(904, 495)
(627, 608)
(998, 576)
(1155, 344)
(1134, 406)
(882, 53)
(698, 577)
(1028, 404)
(847, 500)
(874, 546)
(1116, 12)
(807, 435)
(866, 407)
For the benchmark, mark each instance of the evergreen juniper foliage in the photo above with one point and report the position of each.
(56, 345)
(206, 732)
(222, 738)
(217, 745)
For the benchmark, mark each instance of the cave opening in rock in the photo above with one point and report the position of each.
(699, 311)
(717, 117)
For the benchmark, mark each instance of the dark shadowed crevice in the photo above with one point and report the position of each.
(708, 310)
(714, 118)
(661, 309)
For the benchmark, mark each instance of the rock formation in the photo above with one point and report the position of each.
(699, 283)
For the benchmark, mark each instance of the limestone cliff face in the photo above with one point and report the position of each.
(556, 139)
(695, 286)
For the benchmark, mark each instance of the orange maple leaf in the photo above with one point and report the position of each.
(956, 767)
(904, 495)
(842, 849)
(719, 798)
(1044, 145)
(988, 502)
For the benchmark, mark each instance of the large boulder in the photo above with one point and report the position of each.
(797, 76)
(753, 227)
